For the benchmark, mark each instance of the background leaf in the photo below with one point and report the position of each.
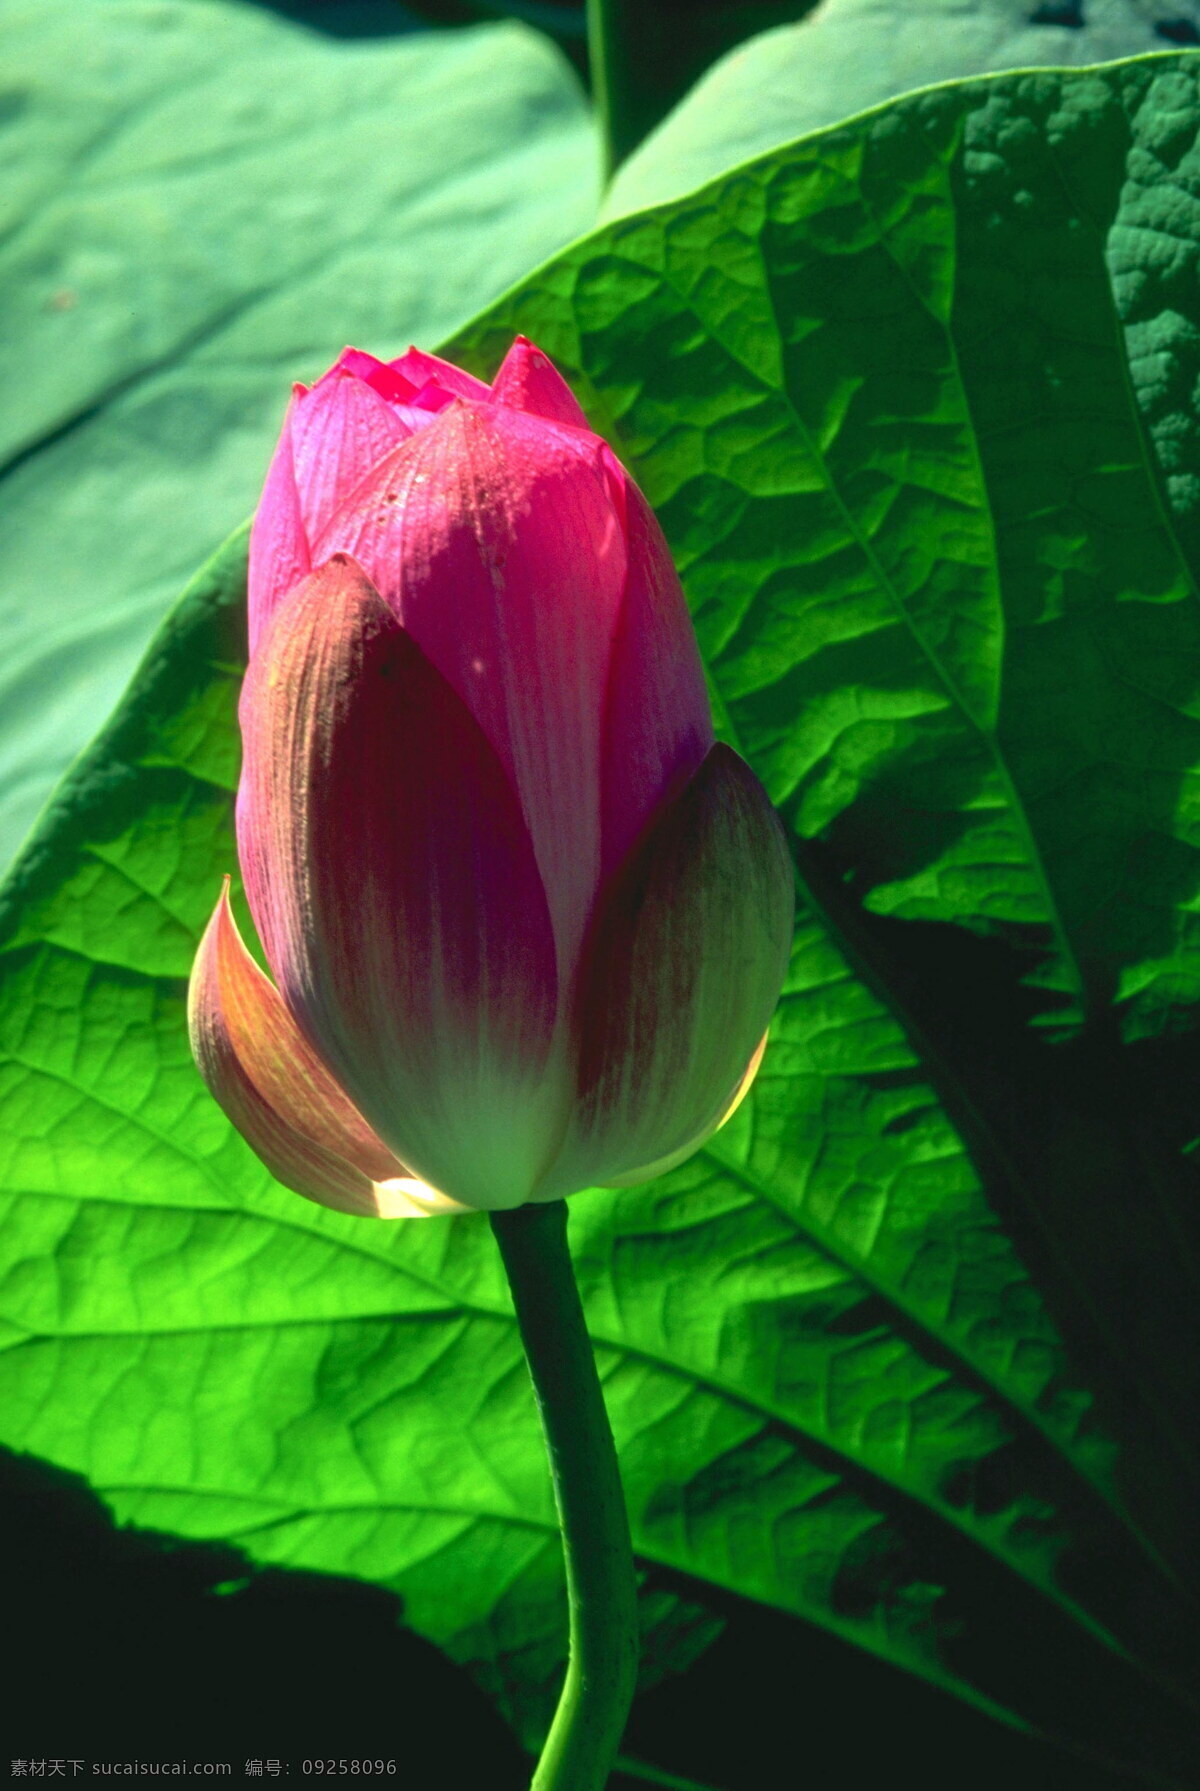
(866, 384)
(836, 1388)
(643, 59)
(563, 19)
(200, 203)
(847, 55)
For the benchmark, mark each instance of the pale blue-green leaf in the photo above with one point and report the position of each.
(200, 202)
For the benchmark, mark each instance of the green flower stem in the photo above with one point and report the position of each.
(601, 1585)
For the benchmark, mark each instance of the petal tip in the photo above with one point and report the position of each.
(529, 381)
(405, 1197)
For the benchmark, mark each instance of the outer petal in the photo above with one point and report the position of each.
(657, 719)
(278, 1093)
(394, 886)
(279, 556)
(681, 973)
(494, 537)
(338, 433)
(528, 380)
(422, 369)
(647, 1171)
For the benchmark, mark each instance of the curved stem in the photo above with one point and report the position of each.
(601, 1585)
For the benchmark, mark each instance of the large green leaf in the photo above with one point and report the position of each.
(915, 404)
(200, 203)
(851, 54)
(804, 1412)
(835, 1385)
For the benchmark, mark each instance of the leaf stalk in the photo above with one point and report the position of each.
(612, 87)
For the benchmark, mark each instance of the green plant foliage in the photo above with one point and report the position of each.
(200, 203)
(851, 54)
(903, 1351)
(562, 18)
(914, 403)
(643, 59)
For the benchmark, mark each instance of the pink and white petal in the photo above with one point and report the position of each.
(494, 538)
(681, 973)
(279, 1059)
(279, 556)
(657, 719)
(338, 434)
(393, 882)
(420, 369)
(528, 380)
(647, 1171)
(409, 1198)
(269, 1083)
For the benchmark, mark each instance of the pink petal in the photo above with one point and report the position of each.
(494, 537)
(681, 973)
(339, 432)
(416, 415)
(433, 397)
(279, 556)
(421, 369)
(379, 374)
(278, 1093)
(394, 886)
(528, 380)
(657, 720)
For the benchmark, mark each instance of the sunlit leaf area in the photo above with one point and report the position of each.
(893, 312)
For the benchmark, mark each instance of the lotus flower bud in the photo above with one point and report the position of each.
(526, 922)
